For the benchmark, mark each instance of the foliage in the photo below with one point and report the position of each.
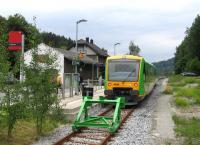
(175, 79)
(37, 95)
(168, 90)
(24, 132)
(187, 56)
(133, 49)
(186, 90)
(193, 65)
(57, 114)
(41, 89)
(11, 102)
(181, 102)
(56, 41)
(165, 67)
(188, 128)
(18, 23)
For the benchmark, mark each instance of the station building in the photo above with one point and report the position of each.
(94, 52)
(90, 66)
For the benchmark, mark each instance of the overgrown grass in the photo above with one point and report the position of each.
(175, 78)
(192, 94)
(184, 95)
(181, 102)
(189, 129)
(24, 132)
(179, 80)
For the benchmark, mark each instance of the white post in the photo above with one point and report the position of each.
(22, 61)
(76, 69)
(115, 46)
(114, 49)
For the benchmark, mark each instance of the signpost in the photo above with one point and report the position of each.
(15, 40)
(16, 43)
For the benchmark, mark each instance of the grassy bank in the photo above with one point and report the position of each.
(189, 129)
(24, 131)
(186, 94)
(186, 90)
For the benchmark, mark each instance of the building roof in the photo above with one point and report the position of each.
(67, 54)
(71, 55)
(94, 47)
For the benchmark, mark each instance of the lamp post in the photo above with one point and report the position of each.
(115, 46)
(76, 62)
(79, 21)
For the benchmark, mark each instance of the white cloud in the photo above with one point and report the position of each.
(157, 26)
(47, 6)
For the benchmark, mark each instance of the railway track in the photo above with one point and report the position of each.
(93, 136)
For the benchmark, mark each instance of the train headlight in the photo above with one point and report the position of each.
(135, 84)
(109, 84)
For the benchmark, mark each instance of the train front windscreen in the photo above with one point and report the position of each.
(123, 70)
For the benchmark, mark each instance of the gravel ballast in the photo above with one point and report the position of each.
(64, 130)
(137, 130)
(138, 127)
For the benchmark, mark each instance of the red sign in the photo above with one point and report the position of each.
(15, 40)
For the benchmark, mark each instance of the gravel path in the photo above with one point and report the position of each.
(57, 134)
(62, 131)
(137, 129)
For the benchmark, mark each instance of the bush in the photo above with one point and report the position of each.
(190, 80)
(181, 102)
(58, 115)
(189, 129)
(197, 100)
(193, 65)
(168, 90)
(188, 92)
(175, 78)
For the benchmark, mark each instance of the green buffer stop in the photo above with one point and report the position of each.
(111, 123)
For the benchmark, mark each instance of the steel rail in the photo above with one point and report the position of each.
(106, 135)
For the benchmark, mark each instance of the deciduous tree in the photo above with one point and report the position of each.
(134, 49)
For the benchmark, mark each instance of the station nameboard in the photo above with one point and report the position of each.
(15, 40)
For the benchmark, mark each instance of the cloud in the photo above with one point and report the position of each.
(159, 45)
(157, 26)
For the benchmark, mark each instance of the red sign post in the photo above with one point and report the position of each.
(16, 43)
(15, 40)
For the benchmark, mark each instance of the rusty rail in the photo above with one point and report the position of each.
(87, 135)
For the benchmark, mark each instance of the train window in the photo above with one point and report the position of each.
(123, 70)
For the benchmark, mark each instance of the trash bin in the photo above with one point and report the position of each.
(87, 91)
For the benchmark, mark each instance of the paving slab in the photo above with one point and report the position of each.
(72, 105)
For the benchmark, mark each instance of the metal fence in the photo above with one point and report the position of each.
(71, 84)
(96, 84)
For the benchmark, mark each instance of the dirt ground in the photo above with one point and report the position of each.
(163, 132)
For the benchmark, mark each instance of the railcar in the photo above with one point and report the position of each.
(129, 76)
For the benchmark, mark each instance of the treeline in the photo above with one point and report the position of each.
(165, 67)
(187, 56)
(56, 41)
(18, 23)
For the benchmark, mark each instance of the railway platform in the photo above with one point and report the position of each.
(71, 105)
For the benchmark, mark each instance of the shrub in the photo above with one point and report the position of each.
(168, 90)
(197, 100)
(181, 102)
(188, 92)
(190, 80)
(175, 78)
(189, 129)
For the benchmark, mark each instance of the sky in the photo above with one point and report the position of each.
(156, 26)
